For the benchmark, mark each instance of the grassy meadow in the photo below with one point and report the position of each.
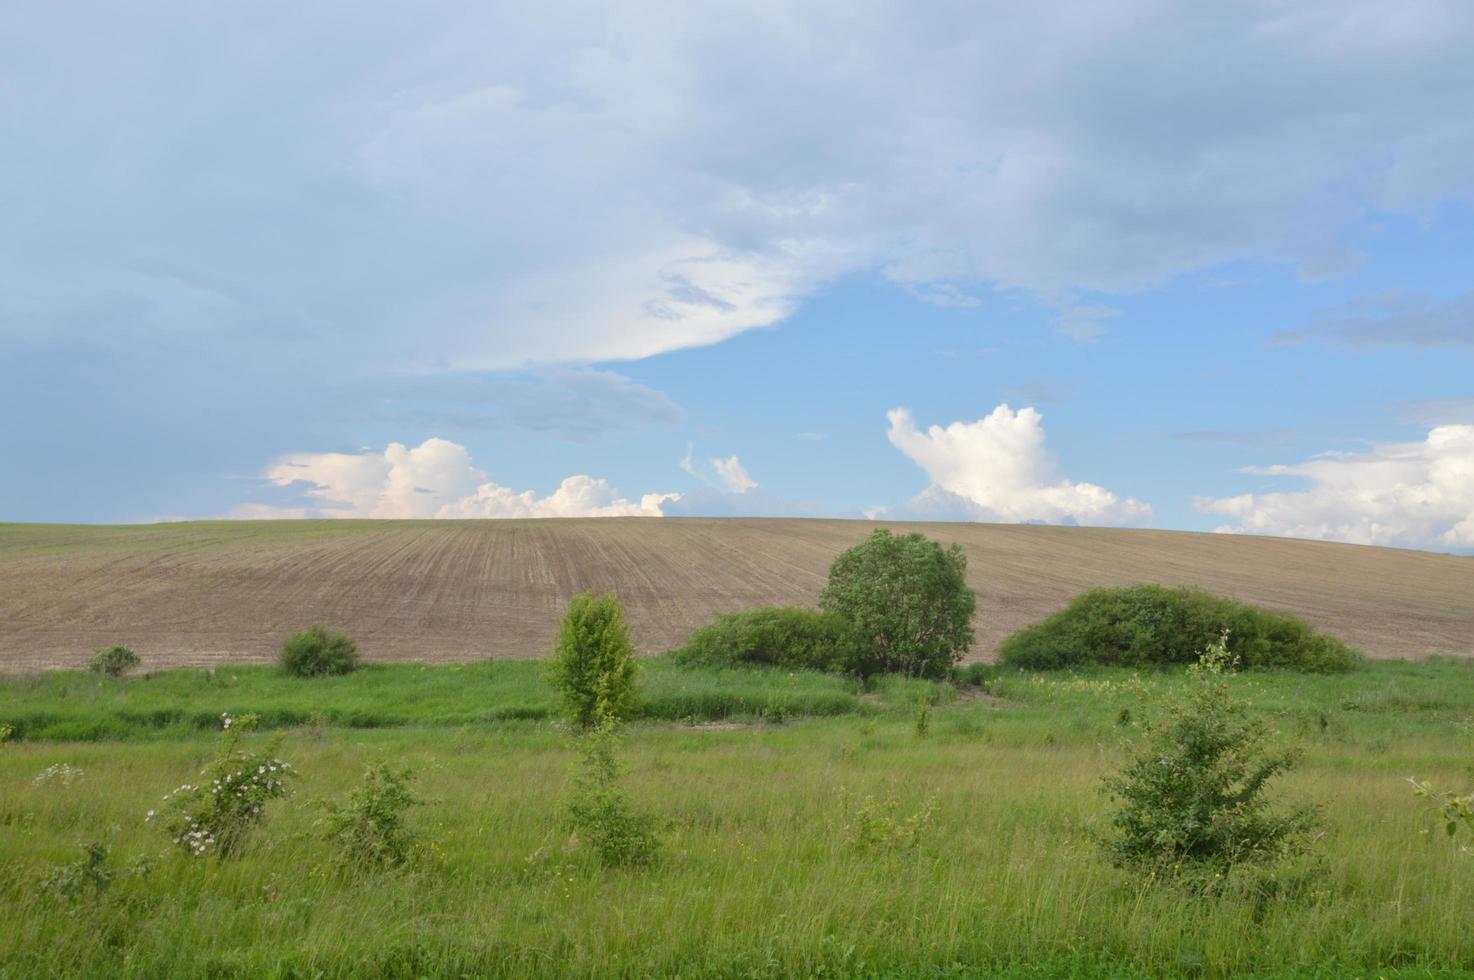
(764, 869)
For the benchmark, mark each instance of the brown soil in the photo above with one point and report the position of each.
(202, 593)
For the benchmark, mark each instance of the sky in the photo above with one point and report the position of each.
(1141, 264)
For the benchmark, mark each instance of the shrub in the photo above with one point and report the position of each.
(314, 652)
(781, 636)
(1191, 796)
(370, 827)
(600, 812)
(907, 599)
(114, 661)
(89, 872)
(876, 826)
(1143, 625)
(594, 662)
(215, 814)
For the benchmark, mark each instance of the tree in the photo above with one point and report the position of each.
(1192, 795)
(908, 600)
(594, 662)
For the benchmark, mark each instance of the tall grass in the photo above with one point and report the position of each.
(757, 876)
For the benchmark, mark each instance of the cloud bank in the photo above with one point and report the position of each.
(1411, 495)
(997, 469)
(434, 480)
(450, 187)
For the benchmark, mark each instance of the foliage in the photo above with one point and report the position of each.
(7, 732)
(1191, 796)
(594, 664)
(89, 872)
(599, 810)
(370, 828)
(314, 652)
(878, 826)
(1143, 625)
(908, 601)
(114, 661)
(1451, 810)
(921, 719)
(217, 813)
(776, 636)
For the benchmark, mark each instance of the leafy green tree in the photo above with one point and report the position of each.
(594, 662)
(908, 600)
(1191, 798)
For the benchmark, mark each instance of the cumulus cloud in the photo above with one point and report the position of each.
(1414, 495)
(997, 469)
(434, 479)
(733, 475)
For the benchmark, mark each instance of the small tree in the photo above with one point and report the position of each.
(908, 600)
(1192, 794)
(600, 812)
(594, 662)
(114, 661)
(314, 652)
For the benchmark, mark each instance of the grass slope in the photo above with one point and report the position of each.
(207, 593)
(758, 876)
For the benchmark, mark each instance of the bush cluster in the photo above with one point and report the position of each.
(114, 661)
(893, 604)
(778, 636)
(314, 652)
(1146, 625)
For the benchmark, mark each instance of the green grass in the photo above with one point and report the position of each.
(757, 876)
(74, 706)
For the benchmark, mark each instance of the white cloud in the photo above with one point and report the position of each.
(997, 469)
(434, 479)
(450, 186)
(733, 475)
(1414, 494)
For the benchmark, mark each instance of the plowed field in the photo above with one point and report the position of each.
(203, 593)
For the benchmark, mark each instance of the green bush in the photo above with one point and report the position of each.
(114, 661)
(908, 601)
(1191, 797)
(315, 652)
(600, 813)
(370, 828)
(780, 636)
(1145, 625)
(594, 662)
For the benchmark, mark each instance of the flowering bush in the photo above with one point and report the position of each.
(61, 772)
(216, 813)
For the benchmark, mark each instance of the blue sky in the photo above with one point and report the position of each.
(471, 260)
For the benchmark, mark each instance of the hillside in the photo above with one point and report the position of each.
(204, 593)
